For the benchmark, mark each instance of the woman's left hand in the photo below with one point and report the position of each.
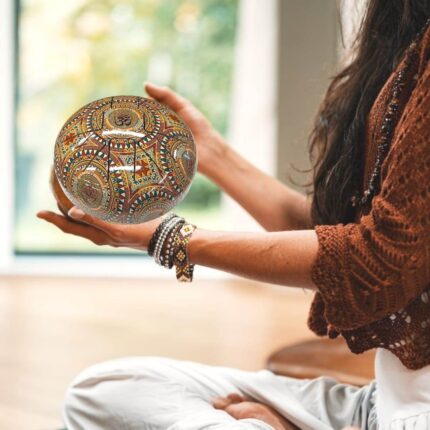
(100, 232)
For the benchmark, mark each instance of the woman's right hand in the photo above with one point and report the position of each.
(211, 146)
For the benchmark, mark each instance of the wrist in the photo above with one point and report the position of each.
(198, 242)
(169, 246)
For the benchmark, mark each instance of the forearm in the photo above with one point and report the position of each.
(274, 205)
(283, 258)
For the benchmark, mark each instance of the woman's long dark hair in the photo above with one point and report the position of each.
(337, 140)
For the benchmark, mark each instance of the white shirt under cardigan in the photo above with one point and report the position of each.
(402, 395)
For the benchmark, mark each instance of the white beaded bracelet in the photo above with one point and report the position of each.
(162, 238)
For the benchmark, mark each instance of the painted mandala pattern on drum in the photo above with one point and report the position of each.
(125, 159)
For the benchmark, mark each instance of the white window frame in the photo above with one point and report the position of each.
(254, 114)
(120, 266)
(6, 131)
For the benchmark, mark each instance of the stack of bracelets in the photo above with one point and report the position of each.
(169, 243)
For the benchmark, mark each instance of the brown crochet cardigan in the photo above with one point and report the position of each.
(373, 276)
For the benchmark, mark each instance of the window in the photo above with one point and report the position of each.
(70, 53)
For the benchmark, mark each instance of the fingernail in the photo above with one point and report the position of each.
(76, 213)
(152, 85)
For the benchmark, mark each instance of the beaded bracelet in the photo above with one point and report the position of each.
(169, 248)
(184, 269)
(155, 236)
(164, 234)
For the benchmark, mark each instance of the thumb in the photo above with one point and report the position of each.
(79, 215)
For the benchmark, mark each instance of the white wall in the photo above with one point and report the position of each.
(308, 41)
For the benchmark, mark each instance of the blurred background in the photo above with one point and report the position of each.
(257, 69)
(99, 48)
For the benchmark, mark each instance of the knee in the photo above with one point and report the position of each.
(102, 395)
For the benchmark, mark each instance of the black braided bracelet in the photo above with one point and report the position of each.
(165, 232)
(155, 236)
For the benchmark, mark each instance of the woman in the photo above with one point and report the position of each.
(362, 243)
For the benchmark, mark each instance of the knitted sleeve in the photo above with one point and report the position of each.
(370, 269)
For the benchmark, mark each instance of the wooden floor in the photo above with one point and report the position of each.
(52, 328)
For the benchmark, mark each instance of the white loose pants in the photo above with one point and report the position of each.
(154, 393)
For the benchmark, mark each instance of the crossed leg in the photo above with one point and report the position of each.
(156, 393)
(152, 393)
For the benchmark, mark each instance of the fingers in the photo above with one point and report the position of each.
(224, 402)
(80, 216)
(239, 411)
(166, 95)
(71, 227)
(236, 398)
(220, 402)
